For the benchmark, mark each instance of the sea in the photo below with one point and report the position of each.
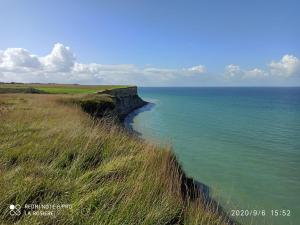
(242, 142)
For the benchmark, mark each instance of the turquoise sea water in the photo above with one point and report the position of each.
(244, 143)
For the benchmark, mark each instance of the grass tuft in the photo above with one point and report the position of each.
(53, 152)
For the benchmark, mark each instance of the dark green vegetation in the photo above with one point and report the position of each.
(96, 105)
(52, 152)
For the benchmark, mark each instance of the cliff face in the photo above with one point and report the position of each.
(122, 101)
(125, 100)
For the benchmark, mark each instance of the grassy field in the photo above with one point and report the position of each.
(51, 152)
(55, 88)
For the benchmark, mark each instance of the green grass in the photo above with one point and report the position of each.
(56, 88)
(53, 152)
(76, 90)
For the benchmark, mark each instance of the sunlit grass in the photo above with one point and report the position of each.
(56, 88)
(53, 152)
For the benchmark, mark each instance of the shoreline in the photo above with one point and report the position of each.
(191, 189)
(112, 155)
(128, 120)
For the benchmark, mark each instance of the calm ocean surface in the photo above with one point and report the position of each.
(244, 143)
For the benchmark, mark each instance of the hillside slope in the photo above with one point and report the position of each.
(54, 153)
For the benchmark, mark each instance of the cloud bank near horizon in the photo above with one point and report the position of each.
(61, 66)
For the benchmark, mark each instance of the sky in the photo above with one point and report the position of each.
(151, 43)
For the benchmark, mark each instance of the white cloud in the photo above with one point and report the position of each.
(289, 65)
(197, 69)
(255, 73)
(235, 72)
(61, 59)
(17, 64)
(94, 68)
(18, 59)
(61, 66)
(232, 71)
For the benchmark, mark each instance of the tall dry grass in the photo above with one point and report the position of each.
(51, 152)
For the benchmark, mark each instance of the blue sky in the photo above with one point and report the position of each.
(164, 37)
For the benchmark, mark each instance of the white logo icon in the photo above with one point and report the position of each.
(15, 210)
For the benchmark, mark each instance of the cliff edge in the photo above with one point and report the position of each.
(118, 102)
(126, 100)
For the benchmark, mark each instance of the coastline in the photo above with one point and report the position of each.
(128, 120)
(107, 162)
(191, 189)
